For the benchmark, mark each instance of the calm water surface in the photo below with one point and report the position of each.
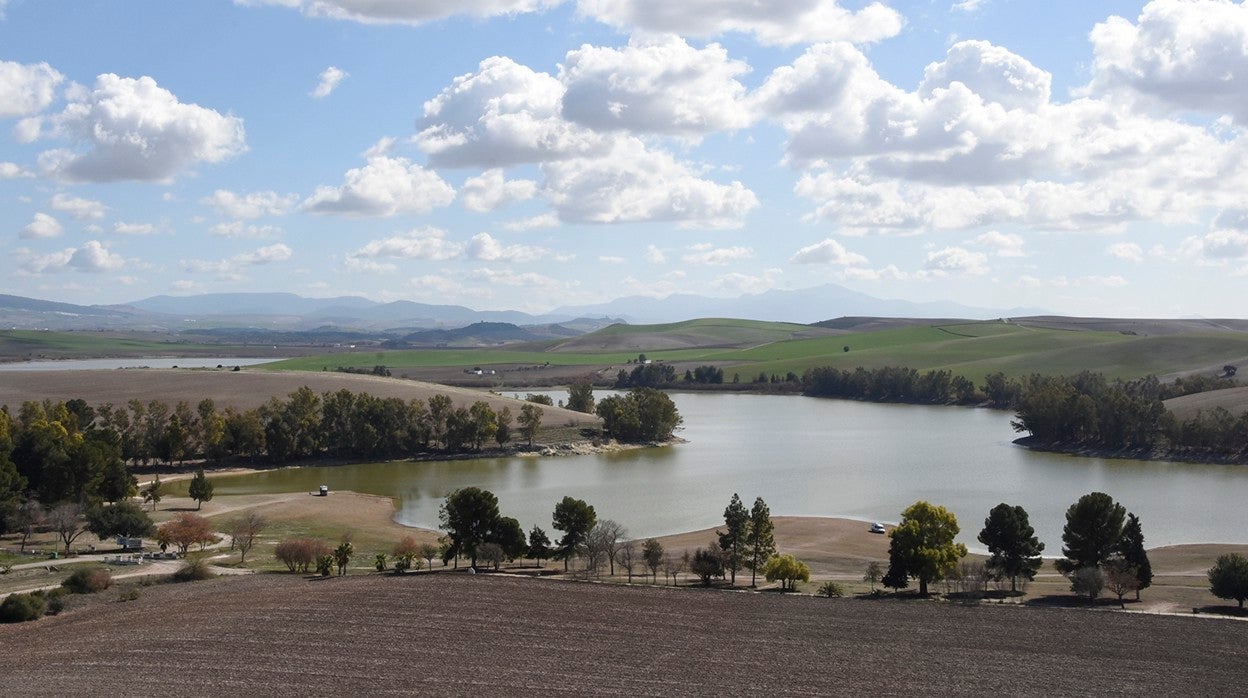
(811, 457)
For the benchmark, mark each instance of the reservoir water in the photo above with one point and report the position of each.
(811, 457)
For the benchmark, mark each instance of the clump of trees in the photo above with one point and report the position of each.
(1100, 536)
(643, 414)
(787, 570)
(889, 384)
(646, 375)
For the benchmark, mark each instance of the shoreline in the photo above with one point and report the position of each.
(1031, 443)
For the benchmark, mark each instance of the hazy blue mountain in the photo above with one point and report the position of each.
(802, 306)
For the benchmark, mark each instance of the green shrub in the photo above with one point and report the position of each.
(19, 608)
(325, 565)
(88, 581)
(831, 589)
(380, 562)
(193, 571)
(128, 595)
(56, 600)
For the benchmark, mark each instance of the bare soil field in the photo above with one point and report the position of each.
(240, 389)
(1233, 400)
(458, 634)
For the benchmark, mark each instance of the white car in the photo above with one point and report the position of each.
(878, 528)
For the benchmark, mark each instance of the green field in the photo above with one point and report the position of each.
(35, 344)
(972, 349)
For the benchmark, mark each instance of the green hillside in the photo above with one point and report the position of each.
(973, 349)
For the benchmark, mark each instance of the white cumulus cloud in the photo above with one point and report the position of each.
(422, 243)
(252, 205)
(655, 85)
(708, 255)
(827, 251)
(1002, 244)
(385, 186)
(92, 257)
(124, 228)
(133, 129)
(42, 227)
(638, 184)
(328, 82)
(1179, 54)
(484, 247)
(1126, 251)
(79, 208)
(405, 11)
(489, 191)
(956, 260)
(780, 22)
(26, 89)
(239, 229)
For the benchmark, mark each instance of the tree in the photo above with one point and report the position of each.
(200, 489)
(468, 516)
(644, 414)
(1121, 578)
(116, 483)
(873, 574)
(732, 540)
(1131, 547)
(575, 518)
(539, 545)
(611, 534)
(342, 555)
(925, 544)
(428, 551)
(581, 397)
(66, 519)
(1092, 533)
(652, 554)
(503, 434)
(760, 539)
(530, 421)
(154, 492)
(1228, 578)
(243, 532)
(121, 519)
(627, 557)
(509, 537)
(30, 516)
(1013, 544)
(707, 563)
(1087, 581)
(404, 552)
(185, 530)
(786, 569)
(492, 554)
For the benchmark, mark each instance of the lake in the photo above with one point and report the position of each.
(811, 457)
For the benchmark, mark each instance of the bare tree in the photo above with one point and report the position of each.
(595, 549)
(652, 553)
(66, 519)
(30, 517)
(1121, 578)
(613, 535)
(628, 559)
(243, 532)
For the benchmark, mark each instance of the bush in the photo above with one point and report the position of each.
(56, 600)
(193, 571)
(325, 564)
(831, 590)
(88, 581)
(300, 554)
(380, 562)
(128, 595)
(19, 608)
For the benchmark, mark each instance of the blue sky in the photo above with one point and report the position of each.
(528, 154)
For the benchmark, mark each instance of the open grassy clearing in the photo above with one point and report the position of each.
(21, 345)
(706, 332)
(456, 634)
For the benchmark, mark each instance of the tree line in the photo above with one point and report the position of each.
(72, 452)
(1103, 547)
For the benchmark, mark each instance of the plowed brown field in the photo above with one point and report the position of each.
(455, 634)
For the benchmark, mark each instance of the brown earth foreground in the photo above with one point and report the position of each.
(456, 634)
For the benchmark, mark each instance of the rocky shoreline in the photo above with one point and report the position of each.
(1141, 454)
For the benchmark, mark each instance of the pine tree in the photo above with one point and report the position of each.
(732, 541)
(1132, 549)
(200, 489)
(760, 539)
(1013, 543)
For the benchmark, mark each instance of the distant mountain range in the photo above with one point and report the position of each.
(406, 320)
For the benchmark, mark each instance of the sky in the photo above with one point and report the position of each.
(1085, 158)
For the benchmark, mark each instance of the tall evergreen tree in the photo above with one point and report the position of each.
(1013, 543)
(1092, 533)
(1131, 547)
(760, 539)
(732, 541)
(469, 516)
(575, 518)
(200, 489)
